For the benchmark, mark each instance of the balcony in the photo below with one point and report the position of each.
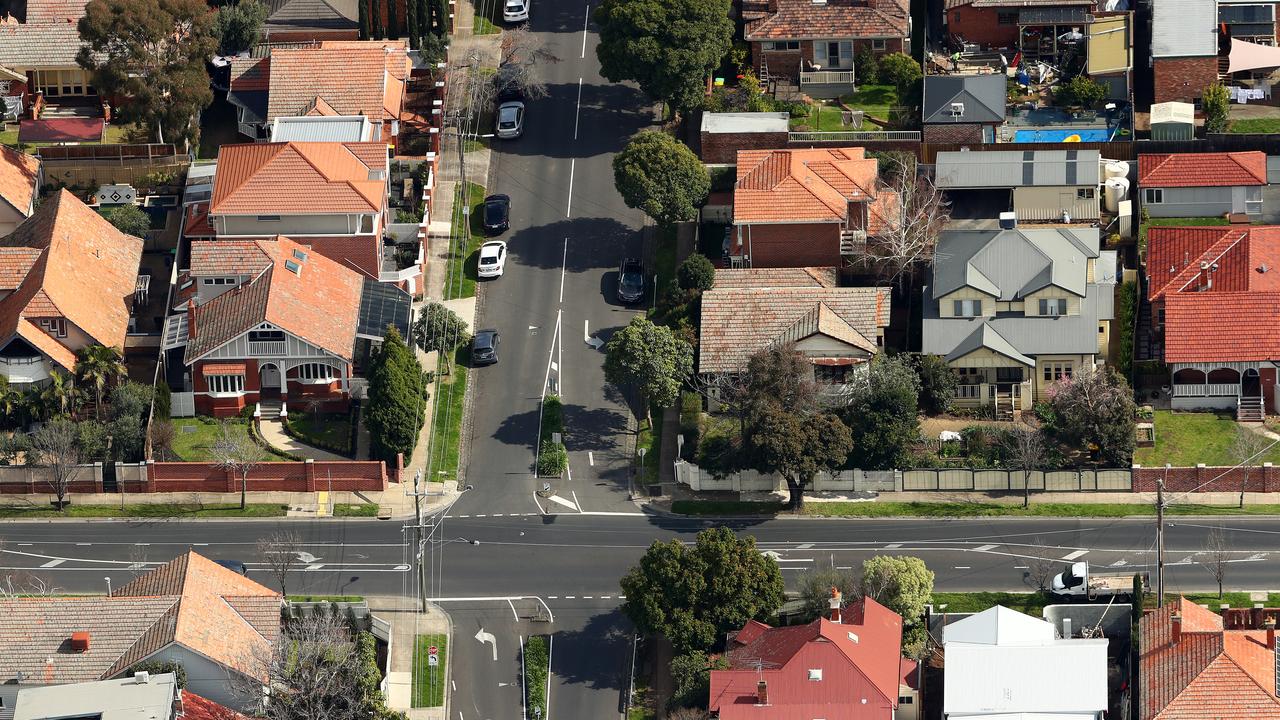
(23, 370)
(1206, 390)
(826, 77)
(266, 348)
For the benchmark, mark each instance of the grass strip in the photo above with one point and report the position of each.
(1031, 603)
(537, 664)
(464, 265)
(428, 680)
(355, 510)
(955, 510)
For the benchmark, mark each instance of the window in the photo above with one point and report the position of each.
(879, 44)
(815, 673)
(1084, 193)
(966, 308)
(293, 267)
(56, 327)
(1155, 196)
(830, 374)
(268, 218)
(299, 255)
(904, 699)
(217, 281)
(1056, 371)
(225, 384)
(317, 372)
(1009, 375)
(1007, 18)
(782, 45)
(366, 223)
(1053, 307)
(266, 336)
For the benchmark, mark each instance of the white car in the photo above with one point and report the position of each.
(510, 120)
(493, 259)
(516, 10)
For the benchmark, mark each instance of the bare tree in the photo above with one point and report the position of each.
(162, 436)
(1246, 450)
(1217, 550)
(1041, 564)
(280, 550)
(469, 89)
(522, 53)
(913, 211)
(1026, 449)
(237, 451)
(21, 583)
(56, 446)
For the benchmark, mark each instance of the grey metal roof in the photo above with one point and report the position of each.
(745, 122)
(308, 128)
(383, 304)
(119, 699)
(1184, 28)
(983, 97)
(1028, 336)
(254, 103)
(1070, 15)
(1014, 262)
(1018, 168)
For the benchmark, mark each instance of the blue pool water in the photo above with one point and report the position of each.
(1057, 136)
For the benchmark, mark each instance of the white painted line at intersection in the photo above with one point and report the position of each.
(1074, 555)
(983, 548)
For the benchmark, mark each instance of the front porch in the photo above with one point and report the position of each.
(1246, 388)
(1008, 398)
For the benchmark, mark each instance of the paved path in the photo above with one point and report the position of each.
(406, 625)
(273, 432)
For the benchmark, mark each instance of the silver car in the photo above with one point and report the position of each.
(510, 120)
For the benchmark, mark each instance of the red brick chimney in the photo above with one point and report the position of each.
(1175, 621)
(834, 604)
(1270, 625)
(80, 641)
(762, 693)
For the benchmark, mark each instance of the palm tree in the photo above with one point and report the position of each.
(99, 366)
(57, 397)
(10, 402)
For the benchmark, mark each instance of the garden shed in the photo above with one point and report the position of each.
(1173, 121)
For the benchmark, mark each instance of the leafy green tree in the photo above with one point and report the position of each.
(396, 399)
(695, 594)
(866, 65)
(239, 26)
(91, 437)
(130, 219)
(797, 446)
(669, 47)
(649, 358)
(57, 397)
(375, 20)
(439, 18)
(1083, 91)
(130, 399)
(439, 329)
(882, 414)
(937, 383)
(1094, 409)
(1216, 103)
(815, 590)
(411, 26)
(903, 584)
(661, 176)
(901, 71)
(148, 57)
(696, 273)
(99, 367)
(692, 675)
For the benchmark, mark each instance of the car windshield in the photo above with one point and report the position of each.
(632, 280)
(484, 342)
(489, 260)
(515, 5)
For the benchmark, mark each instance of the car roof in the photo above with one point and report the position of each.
(497, 199)
(511, 105)
(631, 264)
(492, 246)
(486, 333)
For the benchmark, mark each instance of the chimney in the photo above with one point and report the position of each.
(1175, 621)
(762, 693)
(1256, 618)
(1066, 628)
(834, 604)
(1270, 625)
(80, 642)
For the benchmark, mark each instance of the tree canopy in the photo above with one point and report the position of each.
(695, 594)
(881, 413)
(1094, 409)
(396, 399)
(903, 584)
(239, 26)
(129, 219)
(662, 177)
(696, 273)
(650, 358)
(1216, 101)
(440, 329)
(669, 47)
(797, 446)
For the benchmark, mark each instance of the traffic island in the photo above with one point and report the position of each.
(535, 659)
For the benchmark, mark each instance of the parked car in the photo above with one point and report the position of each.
(631, 281)
(510, 120)
(493, 259)
(484, 347)
(234, 566)
(497, 214)
(516, 10)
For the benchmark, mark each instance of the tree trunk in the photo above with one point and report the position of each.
(97, 408)
(1243, 485)
(796, 491)
(244, 488)
(1026, 489)
(1219, 589)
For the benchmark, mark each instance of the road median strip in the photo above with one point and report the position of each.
(537, 675)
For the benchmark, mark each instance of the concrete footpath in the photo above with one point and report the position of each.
(1228, 499)
(406, 625)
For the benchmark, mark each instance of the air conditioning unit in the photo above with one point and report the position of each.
(957, 109)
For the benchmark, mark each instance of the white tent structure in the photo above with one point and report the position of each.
(1252, 56)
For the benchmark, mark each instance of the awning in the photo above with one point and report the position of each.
(225, 368)
(383, 305)
(1252, 56)
(1071, 15)
(61, 130)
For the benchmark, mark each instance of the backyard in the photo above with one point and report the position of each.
(1188, 438)
(828, 115)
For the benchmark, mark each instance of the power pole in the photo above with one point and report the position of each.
(1160, 537)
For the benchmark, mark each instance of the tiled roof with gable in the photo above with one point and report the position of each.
(320, 304)
(85, 271)
(47, 37)
(804, 19)
(740, 321)
(228, 257)
(801, 185)
(299, 178)
(1202, 169)
(776, 277)
(302, 15)
(353, 77)
(195, 707)
(19, 174)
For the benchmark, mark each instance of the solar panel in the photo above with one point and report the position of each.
(383, 304)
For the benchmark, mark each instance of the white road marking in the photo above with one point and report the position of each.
(1076, 554)
(804, 546)
(606, 597)
(485, 637)
(570, 597)
(799, 560)
(83, 544)
(591, 459)
(514, 614)
(1021, 567)
(561, 501)
(569, 208)
(577, 113)
(1120, 563)
(497, 514)
(983, 548)
(553, 597)
(586, 17)
(314, 566)
(962, 567)
(564, 262)
(893, 546)
(575, 495)
(53, 563)
(587, 597)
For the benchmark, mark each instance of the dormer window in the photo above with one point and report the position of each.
(56, 327)
(966, 308)
(1053, 307)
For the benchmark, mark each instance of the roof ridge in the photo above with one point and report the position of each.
(1188, 273)
(277, 149)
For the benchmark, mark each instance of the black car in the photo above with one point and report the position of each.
(234, 566)
(497, 214)
(484, 347)
(631, 281)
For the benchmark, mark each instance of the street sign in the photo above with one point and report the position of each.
(433, 660)
(433, 650)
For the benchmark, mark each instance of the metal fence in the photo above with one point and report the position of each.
(967, 479)
(855, 136)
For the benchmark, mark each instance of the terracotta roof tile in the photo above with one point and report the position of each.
(228, 257)
(776, 277)
(196, 222)
(47, 38)
(300, 178)
(1202, 169)
(1222, 327)
(195, 707)
(351, 77)
(15, 264)
(801, 185)
(805, 19)
(19, 177)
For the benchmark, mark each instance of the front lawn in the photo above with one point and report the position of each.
(1031, 603)
(194, 437)
(327, 431)
(1184, 439)
(355, 510)
(463, 264)
(446, 420)
(1255, 125)
(428, 680)
(960, 509)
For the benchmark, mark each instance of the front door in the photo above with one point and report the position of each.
(1251, 384)
(269, 381)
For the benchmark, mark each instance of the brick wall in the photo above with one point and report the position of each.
(953, 133)
(982, 26)
(1183, 79)
(800, 245)
(724, 147)
(30, 480)
(307, 476)
(1213, 479)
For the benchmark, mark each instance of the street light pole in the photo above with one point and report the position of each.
(1160, 537)
(631, 493)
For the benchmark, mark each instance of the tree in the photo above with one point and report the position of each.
(881, 414)
(1216, 102)
(1041, 563)
(375, 20)
(234, 450)
(1246, 450)
(901, 71)
(1218, 553)
(867, 64)
(148, 56)
(913, 213)
(1095, 409)
(1026, 449)
(661, 176)
(56, 446)
(393, 26)
(439, 329)
(281, 551)
(695, 594)
(522, 53)
(363, 15)
(692, 675)
(696, 273)
(411, 25)
(439, 18)
(902, 584)
(937, 383)
(669, 47)
(649, 358)
(163, 433)
(815, 590)
(1083, 91)
(396, 399)
(239, 26)
(99, 366)
(130, 219)
(797, 446)
(58, 396)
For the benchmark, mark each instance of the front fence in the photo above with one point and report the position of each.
(966, 479)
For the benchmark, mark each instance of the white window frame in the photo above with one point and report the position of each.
(966, 308)
(218, 281)
(316, 373)
(225, 385)
(1055, 371)
(57, 327)
(1053, 307)
(879, 44)
(781, 46)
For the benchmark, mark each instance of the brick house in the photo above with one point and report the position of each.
(1008, 23)
(38, 46)
(800, 40)
(1215, 300)
(806, 208)
(1203, 184)
(845, 667)
(67, 281)
(20, 180)
(1184, 48)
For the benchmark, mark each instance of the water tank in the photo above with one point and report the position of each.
(1115, 190)
(1115, 169)
(1008, 220)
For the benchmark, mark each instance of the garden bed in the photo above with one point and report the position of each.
(553, 458)
(327, 431)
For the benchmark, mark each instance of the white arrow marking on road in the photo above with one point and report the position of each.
(1120, 563)
(313, 566)
(772, 555)
(401, 567)
(485, 637)
(983, 548)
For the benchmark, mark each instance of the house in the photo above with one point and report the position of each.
(724, 134)
(321, 128)
(1215, 301)
(333, 77)
(963, 108)
(1017, 25)
(67, 281)
(1013, 311)
(20, 181)
(1003, 664)
(1110, 53)
(332, 196)
(1184, 48)
(844, 668)
(38, 46)
(213, 621)
(1042, 185)
(141, 696)
(290, 21)
(272, 320)
(1202, 184)
(1192, 668)
(749, 310)
(806, 208)
(814, 43)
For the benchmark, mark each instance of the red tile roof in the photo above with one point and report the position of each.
(300, 178)
(1222, 327)
(349, 77)
(775, 277)
(859, 659)
(834, 19)
(196, 221)
(1210, 674)
(195, 707)
(801, 185)
(19, 173)
(1202, 169)
(228, 257)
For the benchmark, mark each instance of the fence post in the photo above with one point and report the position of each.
(309, 471)
(1266, 477)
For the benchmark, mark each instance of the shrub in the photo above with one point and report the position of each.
(696, 273)
(868, 65)
(1083, 91)
(552, 459)
(552, 416)
(160, 667)
(128, 219)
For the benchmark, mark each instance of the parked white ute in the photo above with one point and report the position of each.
(516, 10)
(493, 259)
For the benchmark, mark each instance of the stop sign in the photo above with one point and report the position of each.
(433, 650)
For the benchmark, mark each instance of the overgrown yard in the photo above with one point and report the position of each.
(463, 265)
(428, 680)
(1184, 439)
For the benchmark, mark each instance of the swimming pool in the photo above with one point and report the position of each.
(1057, 136)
